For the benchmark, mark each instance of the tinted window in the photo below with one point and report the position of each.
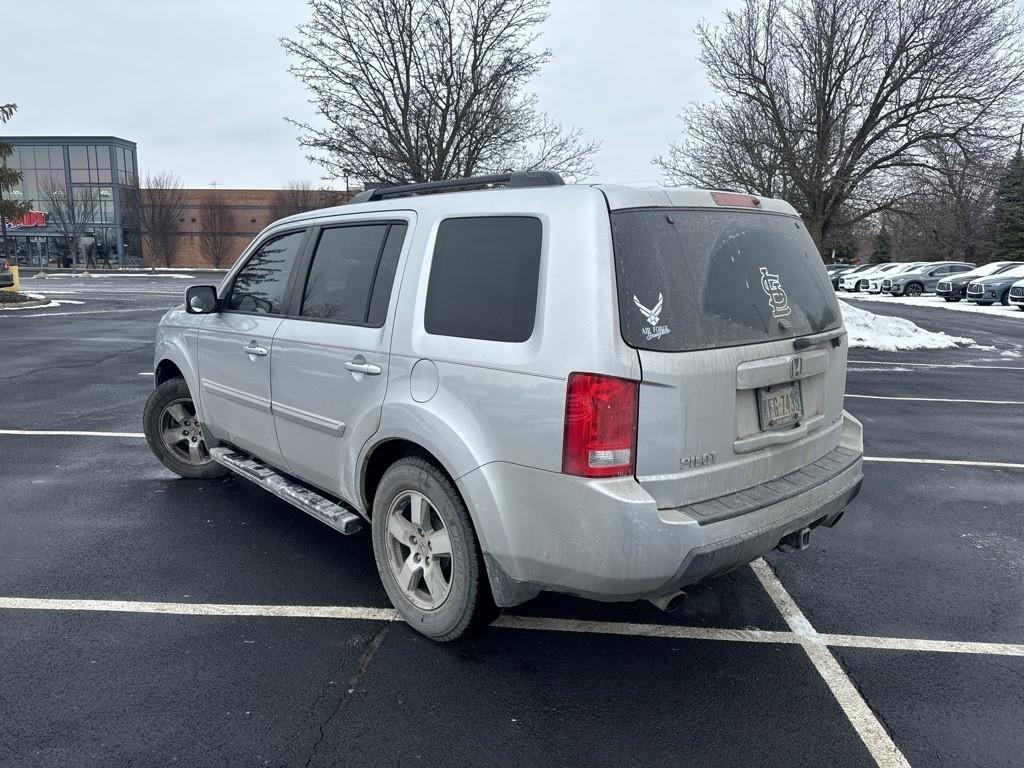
(699, 279)
(385, 279)
(260, 285)
(341, 279)
(483, 279)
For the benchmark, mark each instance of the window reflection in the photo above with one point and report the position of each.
(260, 285)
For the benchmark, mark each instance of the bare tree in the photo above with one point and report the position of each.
(302, 196)
(72, 216)
(158, 207)
(947, 211)
(833, 100)
(421, 90)
(214, 230)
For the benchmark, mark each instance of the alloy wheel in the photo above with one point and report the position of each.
(182, 433)
(419, 550)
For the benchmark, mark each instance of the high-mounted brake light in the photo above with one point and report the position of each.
(600, 426)
(736, 199)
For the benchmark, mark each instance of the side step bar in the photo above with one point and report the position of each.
(312, 503)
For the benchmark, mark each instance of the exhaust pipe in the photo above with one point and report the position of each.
(795, 541)
(670, 602)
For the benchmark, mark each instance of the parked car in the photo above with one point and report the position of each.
(954, 287)
(988, 290)
(852, 281)
(924, 279)
(874, 281)
(836, 273)
(6, 275)
(600, 390)
(1017, 295)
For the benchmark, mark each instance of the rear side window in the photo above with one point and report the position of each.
(483, 278)
(705, 278)
(260, 285)
(352, 274)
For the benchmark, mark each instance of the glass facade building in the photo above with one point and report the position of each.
(98, 177)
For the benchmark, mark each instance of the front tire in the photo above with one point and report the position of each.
(427, 552)
(174, 433)
(913, 290)
(1005, 299)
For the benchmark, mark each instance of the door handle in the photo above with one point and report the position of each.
(253, 349)
(356, 366)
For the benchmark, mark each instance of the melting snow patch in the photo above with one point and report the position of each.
(891, 334)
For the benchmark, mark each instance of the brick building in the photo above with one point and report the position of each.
(244, 213)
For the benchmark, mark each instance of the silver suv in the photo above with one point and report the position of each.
(524, 386)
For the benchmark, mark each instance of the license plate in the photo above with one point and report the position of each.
(780, 406)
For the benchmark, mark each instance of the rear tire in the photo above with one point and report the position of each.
(175, 435)
(427, 552)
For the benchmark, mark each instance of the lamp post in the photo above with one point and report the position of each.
(347, 172)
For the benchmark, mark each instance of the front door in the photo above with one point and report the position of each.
(330, 366)
(235, 346)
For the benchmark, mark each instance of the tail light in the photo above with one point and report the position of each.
(600, 426)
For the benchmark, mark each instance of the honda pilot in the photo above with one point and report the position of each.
(524, 386)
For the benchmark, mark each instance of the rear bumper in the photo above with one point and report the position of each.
(607, 540)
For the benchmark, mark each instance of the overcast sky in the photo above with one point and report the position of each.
(202, 85)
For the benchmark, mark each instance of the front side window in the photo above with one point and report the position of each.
(261, 284)
(352, 274)
(484, 277)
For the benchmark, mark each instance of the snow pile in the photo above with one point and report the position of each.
(890, 334)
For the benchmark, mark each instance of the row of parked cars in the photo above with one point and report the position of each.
(999, 281)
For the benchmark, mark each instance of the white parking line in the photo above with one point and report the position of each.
(67, 433)
(201, 609)
(937, 400)
(928, 646)
(89, 312)
(871, 731)
(945, 462)
(936, 365)
(513, 621)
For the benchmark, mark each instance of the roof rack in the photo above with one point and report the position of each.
(517, 179)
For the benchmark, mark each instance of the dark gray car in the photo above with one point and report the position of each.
(924, 279)
(989, 290)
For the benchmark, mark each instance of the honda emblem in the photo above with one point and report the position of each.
(796, 367)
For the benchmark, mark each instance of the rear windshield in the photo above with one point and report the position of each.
(693, 279)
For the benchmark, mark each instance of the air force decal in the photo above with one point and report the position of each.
(652, 316)
(777, 297)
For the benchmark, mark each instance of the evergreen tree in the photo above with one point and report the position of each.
(9, 180)
(882, 251)
(1008, 239)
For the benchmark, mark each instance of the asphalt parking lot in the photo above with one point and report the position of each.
(149, 620)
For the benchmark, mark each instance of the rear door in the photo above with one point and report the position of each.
(734, 321)
(235, 347)
(330, 363)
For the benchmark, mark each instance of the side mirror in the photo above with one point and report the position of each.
(201, 300)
